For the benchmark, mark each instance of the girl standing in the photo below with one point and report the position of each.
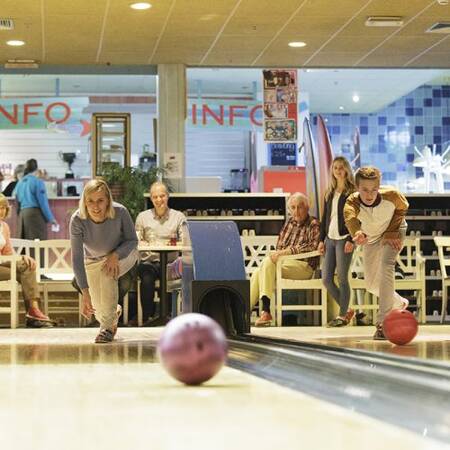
(335, 241)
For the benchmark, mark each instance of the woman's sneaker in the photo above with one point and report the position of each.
(338, 322)
(379, 334)
(265, 320)
(104, 337)
(349, 316)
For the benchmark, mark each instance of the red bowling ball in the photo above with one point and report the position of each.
(192, 348)
(400, 326)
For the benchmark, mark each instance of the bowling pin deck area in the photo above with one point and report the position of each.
(59, 390)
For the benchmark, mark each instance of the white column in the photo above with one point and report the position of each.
(171, 122)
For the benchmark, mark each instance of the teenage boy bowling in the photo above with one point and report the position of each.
(375, 217)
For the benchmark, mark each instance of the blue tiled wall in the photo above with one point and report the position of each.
(387, 137)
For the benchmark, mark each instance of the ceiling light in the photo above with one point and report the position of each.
(384, 21)
(21, 64)
(297, 44)
(341, 108)
(14, 43)
(140, 5)
(355, 98)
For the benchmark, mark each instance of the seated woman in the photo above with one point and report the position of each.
(104, 250)
(158, 223)
(26, 274)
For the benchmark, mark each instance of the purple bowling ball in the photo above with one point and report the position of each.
(192, 348)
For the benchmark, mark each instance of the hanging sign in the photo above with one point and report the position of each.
(53, 113)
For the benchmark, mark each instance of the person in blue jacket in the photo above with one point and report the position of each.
(32, 204)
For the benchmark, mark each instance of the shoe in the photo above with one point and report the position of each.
(33, 323)
(379, 334)
(405, 303)
(104, 337)
(361, 319)
(133, 322)
(349, 315)
(265, 320)
(36, 314)
(118, 313)
(338, 322)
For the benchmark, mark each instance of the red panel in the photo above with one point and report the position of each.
(288, 180)
(62, 209)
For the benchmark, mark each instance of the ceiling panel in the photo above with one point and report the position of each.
(82, 32)
(284, 8)
(79, 7)
(404, 8)
(410, 44)
(76, 57)
(385, 59)
(244, 32)
(10, 8)
(432, 59)
(332, 8)
(141, 57)
(335, 59)
(353, 43)
(184, 8)
(306, 25)
(262, 26)
(194, 26)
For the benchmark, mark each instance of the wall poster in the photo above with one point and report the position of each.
(280, 105)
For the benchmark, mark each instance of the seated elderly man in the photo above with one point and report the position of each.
(300, 234)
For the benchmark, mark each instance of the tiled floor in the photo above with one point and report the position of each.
(60, 391)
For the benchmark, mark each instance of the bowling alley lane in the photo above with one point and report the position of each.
(431, 342)
(59, 390)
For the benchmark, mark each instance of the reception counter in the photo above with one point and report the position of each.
(62, 208)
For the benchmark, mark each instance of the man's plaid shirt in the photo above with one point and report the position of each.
(301, 238)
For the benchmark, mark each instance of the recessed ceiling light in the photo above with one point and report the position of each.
(297, 44)
(140, 5)
(355, 98)
(341, 108)
(14, 43)
(384, 21)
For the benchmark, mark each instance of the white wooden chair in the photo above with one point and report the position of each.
(255, 249)
(443, 246)
(312, 284)
(26, 247)
(12, 287)
(412, 264)
(57, 269)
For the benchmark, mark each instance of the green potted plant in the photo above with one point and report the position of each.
(128, 185)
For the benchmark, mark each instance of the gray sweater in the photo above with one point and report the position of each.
(97, 240)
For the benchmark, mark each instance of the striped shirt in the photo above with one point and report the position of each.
(301, 238)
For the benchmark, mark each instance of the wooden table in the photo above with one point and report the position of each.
(163, 251)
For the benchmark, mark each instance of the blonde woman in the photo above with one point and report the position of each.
(104, 249)
(26, 274)
(335, 241)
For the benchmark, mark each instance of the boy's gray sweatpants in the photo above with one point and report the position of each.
(379, 273)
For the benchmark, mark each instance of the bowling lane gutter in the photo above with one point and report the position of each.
(407, 392)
